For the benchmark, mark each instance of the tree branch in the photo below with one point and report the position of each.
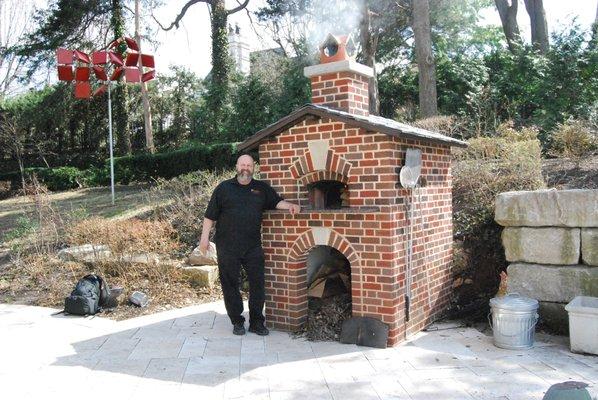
(177, 20)
(238, 8)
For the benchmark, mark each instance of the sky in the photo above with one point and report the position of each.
(190, 44)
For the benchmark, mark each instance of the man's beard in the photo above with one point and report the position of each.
(244, 176)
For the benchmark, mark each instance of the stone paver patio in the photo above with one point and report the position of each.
(191, 353)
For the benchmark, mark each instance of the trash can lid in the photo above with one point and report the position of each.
(514, 302)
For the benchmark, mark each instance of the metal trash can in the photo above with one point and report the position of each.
(514, 320)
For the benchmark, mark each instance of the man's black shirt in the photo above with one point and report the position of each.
(238, 210)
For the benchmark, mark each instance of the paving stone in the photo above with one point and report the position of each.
(460, 364)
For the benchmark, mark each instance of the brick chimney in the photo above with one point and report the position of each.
(340, 82)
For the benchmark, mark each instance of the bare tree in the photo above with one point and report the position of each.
(13, 137)
(15, 23)
(147, 112)
(595, 27)
(539, 26)
(218, 94)
(507, 9)
(369, 44)
(425, 58)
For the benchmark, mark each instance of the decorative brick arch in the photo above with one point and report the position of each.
(321, 236)
(321, 159)
(323, 176)
(291, 305)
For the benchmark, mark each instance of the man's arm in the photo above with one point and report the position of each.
(287, 205)
(204, 242)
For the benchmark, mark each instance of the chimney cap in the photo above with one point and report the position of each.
(337, 48)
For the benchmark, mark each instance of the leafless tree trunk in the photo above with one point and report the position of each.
(539, 27)
(147, 112)
(507, 9)
(425, 58)
(15, 22)
(13, 136)
(369, 44)
(595, 26)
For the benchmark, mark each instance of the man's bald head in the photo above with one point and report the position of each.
(245, 158)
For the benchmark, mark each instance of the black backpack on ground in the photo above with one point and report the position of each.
(90, 294)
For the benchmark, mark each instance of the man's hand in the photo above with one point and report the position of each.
(294, 208)
(204, 245)
(204, 241)
(287, 205)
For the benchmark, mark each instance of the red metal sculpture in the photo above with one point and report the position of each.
(107, 65)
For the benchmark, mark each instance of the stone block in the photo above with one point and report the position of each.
(557, 284)
(201, 276)
(566, 208)
(589, 247)
(85, 253)
(559, 246)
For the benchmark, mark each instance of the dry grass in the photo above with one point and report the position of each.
(126, 236)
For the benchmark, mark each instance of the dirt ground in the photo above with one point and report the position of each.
(571, 174)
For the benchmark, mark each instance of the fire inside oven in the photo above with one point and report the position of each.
(327, 195)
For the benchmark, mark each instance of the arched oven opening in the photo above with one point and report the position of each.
(329, 293)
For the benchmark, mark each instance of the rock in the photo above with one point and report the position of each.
(566, 208)
(559, 246)
(554, 317)
(85, 253)
(139, 299)
(589, 247)
(139, 258)
(557, 284)
(197, 258)
(202, 276)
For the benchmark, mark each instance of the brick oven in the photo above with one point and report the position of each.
(342, 165)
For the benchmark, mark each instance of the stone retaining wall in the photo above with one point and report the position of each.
(551, 240)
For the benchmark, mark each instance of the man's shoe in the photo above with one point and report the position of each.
(239, 328)
(259, 329)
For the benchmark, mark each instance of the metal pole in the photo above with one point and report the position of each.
(409, 277)
(110, 142)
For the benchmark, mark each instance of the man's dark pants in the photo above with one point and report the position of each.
(230, 261)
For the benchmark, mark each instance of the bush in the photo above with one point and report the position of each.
(190, 194)
(489, 166)
(448, 125)
(573, 139)
(167, 165)
(5, 189)
(61, 178)
(135, 168)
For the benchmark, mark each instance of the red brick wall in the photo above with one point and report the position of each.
(347, 91)
(372, 234)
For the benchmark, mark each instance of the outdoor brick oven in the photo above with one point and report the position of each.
(341, 165)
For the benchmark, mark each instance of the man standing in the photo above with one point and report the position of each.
(237, 205)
